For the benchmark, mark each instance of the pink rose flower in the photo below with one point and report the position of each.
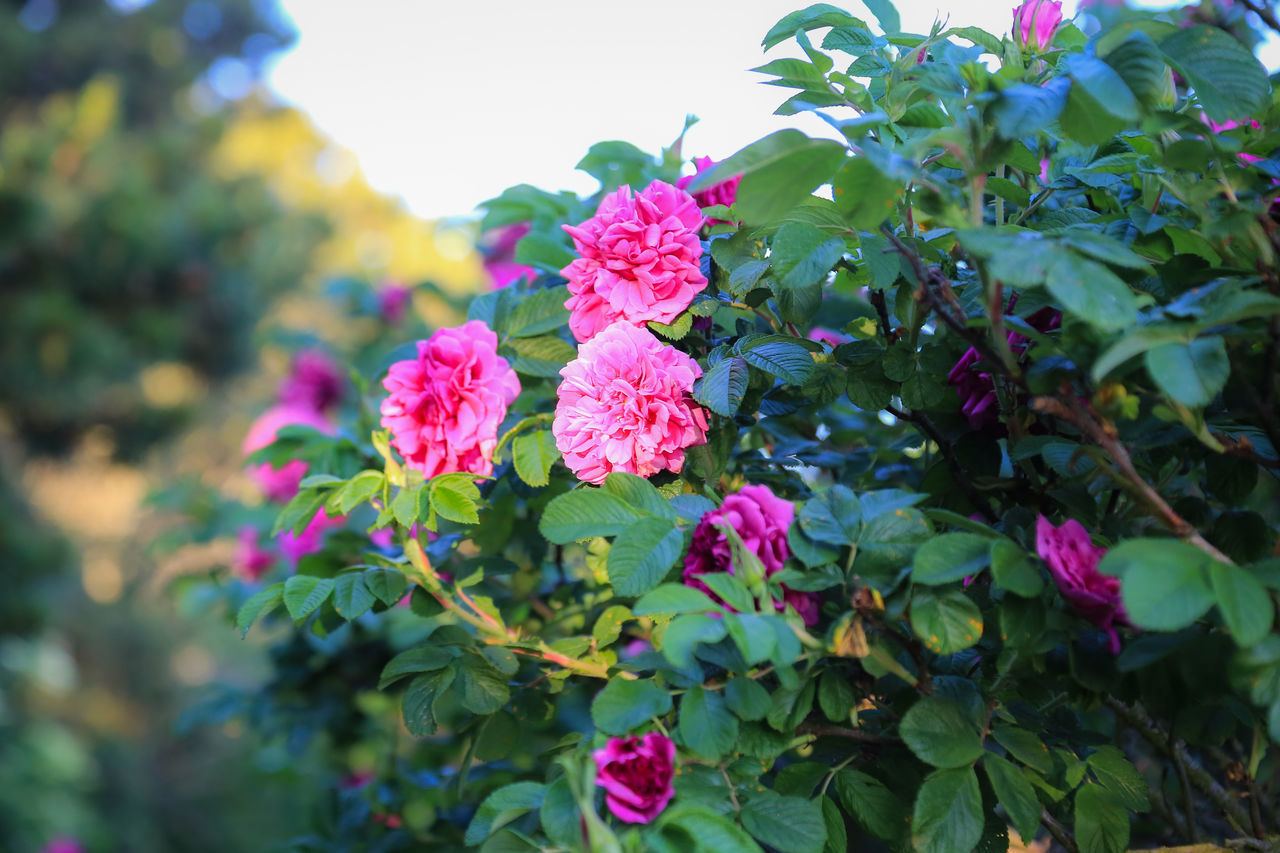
(63, 844)
(251, 561)
(1035, 22)
(311, 539)
(1225, 126)
(445, 406)
(393, 302)
(280, 484)
(639, 260)
(624, 405)
(762, 520)
(314, 382)
(1073, 561)
(823, 335)
(977, 390)
(499, 250)
(725, 192)
(636, 774)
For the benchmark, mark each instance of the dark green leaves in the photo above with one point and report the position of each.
(1099, 104)
(876, 807)
(1244, 603)
(533, 454)
(1190, 372)
(778, 355)
(1014, 793)
(540, 312)
(501, 807)
(642, 554)
(864, 194)
(833, 516)
(802, 254)
(721, 388)
(263, 601)
(787, 824)
(948, 812)
(1025, 109)
(1229, 80)
(706, 725)
(1092, 292)
(941, 733)
(950, 557)
(947, 621)
(1101, 823)
(624, 704)
(584, 513)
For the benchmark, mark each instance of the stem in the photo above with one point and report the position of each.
(733, 795)
(926, 426)
(1263, 11)
(1057, 831)
(827, 730)
(1039, 199)
(831, 774)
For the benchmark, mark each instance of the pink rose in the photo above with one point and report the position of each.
(977, 390)
(1225, 126)
(624, 405)
(63, 844)
(251, 561)
(311, 539)
(314, 382)
(499, 250)
(1073, 561)
(393, 302)
(762, 520)
(1035, 22)
(725, 192)
(636, 774)
(280, 484)
(445, 406)
(639, 260)
(823, 335)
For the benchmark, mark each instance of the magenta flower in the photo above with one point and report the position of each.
(1035, 22)
(314, 382)
(977, 390)
(725, 192)
(393, 302)
(280, 484)
(761, 520)
(445, 406)
(1225, 126)
(1073, 561)
(63, 844)
(823, 335)
(639, 260)
(250, 561)
(625, 405)
(636, 774)
(499, 250)
(311, 539)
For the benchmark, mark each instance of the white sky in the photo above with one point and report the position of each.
(446, 103)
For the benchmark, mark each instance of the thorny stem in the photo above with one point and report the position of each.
(948, 453)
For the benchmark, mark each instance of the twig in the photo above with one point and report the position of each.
(1188, 804)
(948, 453)
(1057, 831)
(1262, 11)
(827, 730)
(1243, 448)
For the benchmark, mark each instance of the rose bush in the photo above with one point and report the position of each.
(798, 531)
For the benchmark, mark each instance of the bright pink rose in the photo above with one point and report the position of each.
(1073, 561)
(823, 335)
(761, 520)
(311, 539)
(1035, 22)
(624, 405)
(280, 484)
(725, 192)
(499, 250)
(977, 390)
(251, 560)
(445, 405)
(314, 382)
(636, 774)
(63, 844)
(393, 302)
(640, 260)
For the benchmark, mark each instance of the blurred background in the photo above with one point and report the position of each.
(191, 192)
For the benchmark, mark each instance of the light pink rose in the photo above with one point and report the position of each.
(251, 560)
(1073, 561)
(625, 405)
(499, 250)
(636, 774)
(725, 192)
(314, 382)
(1035, 22)
(311, 539)
(280, 484)
(445, 406)
(762, 520)
(639, 260)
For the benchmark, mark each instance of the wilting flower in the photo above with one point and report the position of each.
(314, 382)
(977, 390)
(636, 774)
(280, 484)
(1035, 22)
(393, 302)
(311, 539)
(761, 519)
(1073, 561)
(724, 193)
(250, 561)
(445, 405)
(499, 250)
(624, 405)
(639, 260)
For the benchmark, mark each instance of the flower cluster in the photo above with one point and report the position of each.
(639, 260)
(444, 406)
(636, 774)
(624, 405)
(1073, 561)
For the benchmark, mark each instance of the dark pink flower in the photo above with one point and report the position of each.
(445, 406)
(314, 382)
(251, 560)
(1035, 22)
(977, 390)
(761, 520)
(63, 844)
(723, 193)
(393, 302)
(639, 260)
(625, 405)
(823, 335)
(1073, 561)
(636, 774)
(280, 484)
(1225, 126)
(499, 250)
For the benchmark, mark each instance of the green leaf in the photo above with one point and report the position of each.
(755, 637)
(543, 252)
(456, 503)
(1244, 603)
(503, 806)
(779, 172)
(608, 626)
(950, 557)
(625, 704)
(1134, 342)
(351, 598)
(642, 555)
(802, 254)
(388, 585)
(639, 494)
(670, 598)
(1013, 570)
(872, 804)
(1024, 109)
(560, 815)
(837, 835)
(1101, 823)
(746, 698)
(1140, 64)
(722, 387)
(299, 511)
(483, 687)
(777, 355)
(809, 18)
(542, 356)
(1099, 104)
(947, 621)
(674, 331)
(303, 595)
(1163, 582)
(833, 517)
(1190, 372)
(420, 659)
(864, 194)
(941, 733)
(409, 505)
(710, 831)
(262, 601)
(1025, 747)
(1092, 292)
(533, 454)
(787, 824)
(541, 312)
(835, 696)
(584, 513)
(359, 489)
(885, 13)
(948, 812)
(1120, 778)
(1228, 79)
(685, 632)
(418, 701)
(729, 589)
(1014, 793)
(706, 726)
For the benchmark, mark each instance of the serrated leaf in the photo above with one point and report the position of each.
(706, 726)
(263, 601)
(625, 704)
(388, 585)
(940, 733)
(351, 598)
(947, 621)
(1229, 81)
(533, 454)
(1014, 793)
(746, 698)
(584, 513)
(1190, 372)
(948, 812)
(685, 632)
(1101, 824)
(950, 557)
(787, 824)
(1243, 602)
(413, 661)
(642, 555)
(872, 804)
(723, 386)
(303, 595)
(419, 699)
(674, 598)
(501, 807)
(540, 312)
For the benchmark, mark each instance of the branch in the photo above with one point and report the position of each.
(1243, 448)
(948, 453)
(1263, 11)
(1057, 831)
(825, 730)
